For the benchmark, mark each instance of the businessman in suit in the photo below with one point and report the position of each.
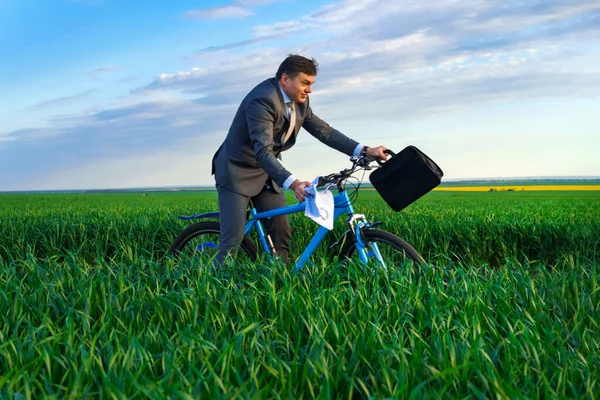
(247, 166)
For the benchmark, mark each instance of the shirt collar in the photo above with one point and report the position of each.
(286, 99)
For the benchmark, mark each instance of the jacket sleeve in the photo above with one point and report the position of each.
(260, 116)
(326, 134)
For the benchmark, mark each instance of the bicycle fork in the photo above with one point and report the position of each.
(366, 251)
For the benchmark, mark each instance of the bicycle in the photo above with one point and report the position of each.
(362, 239)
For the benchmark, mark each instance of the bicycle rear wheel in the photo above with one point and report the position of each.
(200, 242)
(394, 251)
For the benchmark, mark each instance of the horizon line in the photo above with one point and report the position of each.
(175, 187)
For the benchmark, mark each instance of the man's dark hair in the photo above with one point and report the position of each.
(295, 64)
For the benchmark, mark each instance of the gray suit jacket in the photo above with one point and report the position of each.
(249, 155)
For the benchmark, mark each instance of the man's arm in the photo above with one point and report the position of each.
(328, 135)
(337, 140)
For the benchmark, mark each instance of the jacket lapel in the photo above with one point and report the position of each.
(280, 103)
(286, 124)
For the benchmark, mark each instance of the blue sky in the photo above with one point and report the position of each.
(114, 94)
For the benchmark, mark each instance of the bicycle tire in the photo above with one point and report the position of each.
(212, 230)
(403, 249)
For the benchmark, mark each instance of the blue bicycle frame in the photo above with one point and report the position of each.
(343, 205)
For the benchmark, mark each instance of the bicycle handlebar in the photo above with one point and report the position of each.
(362, 162)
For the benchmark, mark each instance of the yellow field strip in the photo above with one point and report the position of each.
(516, 188)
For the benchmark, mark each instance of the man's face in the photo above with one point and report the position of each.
(298, 88)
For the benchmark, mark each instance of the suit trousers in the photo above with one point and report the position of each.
(233, 207)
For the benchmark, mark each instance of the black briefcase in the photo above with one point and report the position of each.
(405, 177)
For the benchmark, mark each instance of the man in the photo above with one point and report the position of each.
(247, 166)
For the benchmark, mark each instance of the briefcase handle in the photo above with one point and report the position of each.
(386, 151)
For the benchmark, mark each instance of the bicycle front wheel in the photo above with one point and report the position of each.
(394, 251)
(200, 242)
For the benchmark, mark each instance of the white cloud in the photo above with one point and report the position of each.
(102, 70)
(229, 11)
(282, 29)
(62, 101)
(235, 9)
(182, 75)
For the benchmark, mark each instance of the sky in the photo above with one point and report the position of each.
(123, 94)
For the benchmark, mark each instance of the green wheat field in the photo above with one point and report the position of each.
(508, 306)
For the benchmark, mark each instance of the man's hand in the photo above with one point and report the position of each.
(298, 188)
(377, 153)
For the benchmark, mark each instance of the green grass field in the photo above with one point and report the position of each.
(508, 307)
